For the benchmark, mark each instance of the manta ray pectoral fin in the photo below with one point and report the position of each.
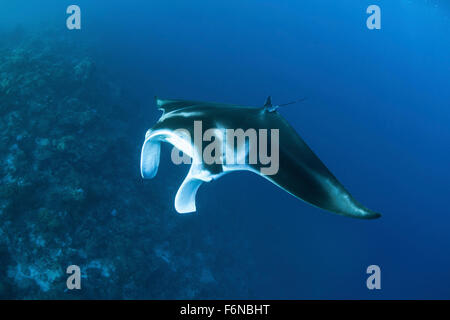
(150, 156)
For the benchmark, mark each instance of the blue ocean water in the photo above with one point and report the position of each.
(377, 114)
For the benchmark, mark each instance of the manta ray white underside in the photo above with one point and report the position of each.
(198, 172)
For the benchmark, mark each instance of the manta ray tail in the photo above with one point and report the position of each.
(269, 107)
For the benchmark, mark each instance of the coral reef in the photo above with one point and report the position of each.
(70, 191)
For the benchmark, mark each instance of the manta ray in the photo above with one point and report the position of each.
(300, 172)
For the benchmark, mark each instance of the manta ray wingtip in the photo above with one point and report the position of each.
(370, 215)
(376, 215)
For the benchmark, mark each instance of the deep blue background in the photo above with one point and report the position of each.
(377, 114)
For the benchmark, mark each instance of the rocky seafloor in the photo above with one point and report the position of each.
(70, 190)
